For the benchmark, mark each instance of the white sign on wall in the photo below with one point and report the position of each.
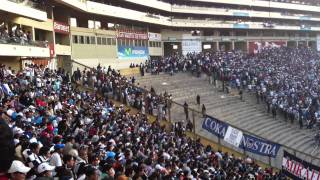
(190, 44)
(318, 42)
(233, 136)
(154, 36)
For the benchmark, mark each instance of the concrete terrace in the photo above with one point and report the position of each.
(229, 108)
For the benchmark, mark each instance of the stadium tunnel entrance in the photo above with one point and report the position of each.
(241, 45)
(172, 48)
(225, 46)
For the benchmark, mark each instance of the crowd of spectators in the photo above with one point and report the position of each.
(51, 126)
(285, 79)
(15, 35)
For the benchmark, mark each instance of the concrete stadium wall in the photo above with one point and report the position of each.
(91, 51)
(114, 63)
(155, 51)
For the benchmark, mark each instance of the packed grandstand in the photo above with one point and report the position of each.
(159, 89)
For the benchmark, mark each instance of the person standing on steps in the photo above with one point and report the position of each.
(241, 94)
(258, 96)
(133, 80)
(198, 100)
(186, 110)
(274, 111)
(203, 110)
(141, 69)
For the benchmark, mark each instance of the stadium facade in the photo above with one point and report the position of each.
(120, 32)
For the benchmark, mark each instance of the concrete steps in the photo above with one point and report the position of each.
(245, 114)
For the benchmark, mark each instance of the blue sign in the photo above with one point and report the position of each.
(241, 26)
(132, 52)
(242, 14)
(305, 28)
(259, 146)
(215, 126)
(304, 17)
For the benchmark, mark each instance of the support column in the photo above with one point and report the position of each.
(33, 34)
(232, 45)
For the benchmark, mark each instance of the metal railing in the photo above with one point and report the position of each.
(176, 113)
(22, 42)
(197, 117)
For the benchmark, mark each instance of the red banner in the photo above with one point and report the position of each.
(132, 35)
(257, 46)
(60, 27)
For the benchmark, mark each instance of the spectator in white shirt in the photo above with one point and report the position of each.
(56, 156)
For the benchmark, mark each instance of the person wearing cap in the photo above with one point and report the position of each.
(18, 170)
(45, 172)
(56, 156)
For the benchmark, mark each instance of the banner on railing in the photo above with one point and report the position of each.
(154, 36)
(318, 42)
(259, 146)
(237, 138)
(215, 126)
(257, 46)
(297, 168)
(133, 52)
(233, 136)
(190, 44)
(128, 34)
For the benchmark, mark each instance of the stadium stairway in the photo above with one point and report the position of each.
(247, 114)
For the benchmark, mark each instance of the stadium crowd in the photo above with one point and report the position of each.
(52, 127)
(285, 79)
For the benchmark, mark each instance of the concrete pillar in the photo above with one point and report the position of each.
(217, 44)
(33, 34)
(232, 45)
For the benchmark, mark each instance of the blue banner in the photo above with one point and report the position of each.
(215, 126)
(305, 28)
(242, 14)
(259, 146)
(133, 52)
(241, 26)
(305, 17)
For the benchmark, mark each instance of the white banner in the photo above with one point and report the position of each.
(318, 42)
(233, 136)
(190, 44)
(154, 36)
